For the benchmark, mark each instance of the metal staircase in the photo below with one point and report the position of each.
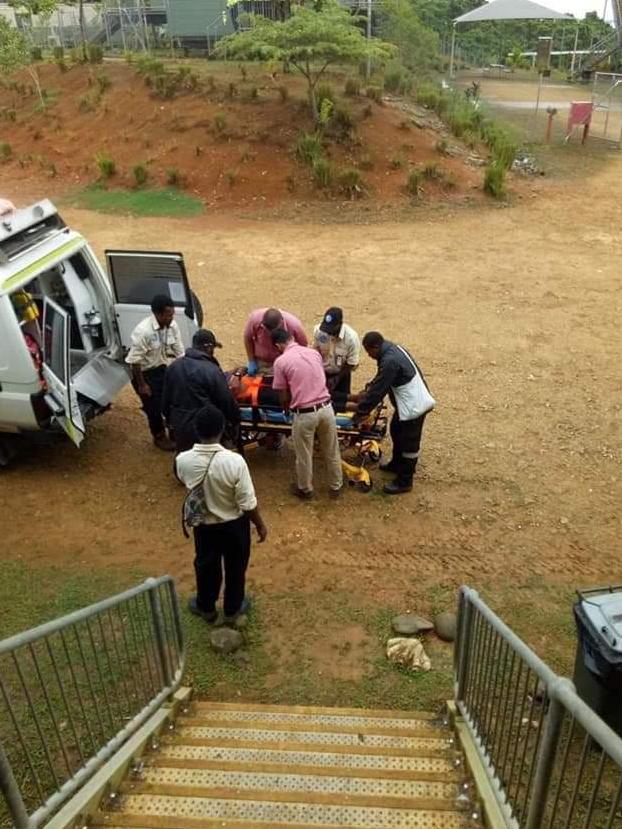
(266, 766)
(97, 731)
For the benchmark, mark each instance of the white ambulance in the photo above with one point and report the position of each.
(65, 325)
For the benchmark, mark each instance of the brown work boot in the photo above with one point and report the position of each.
(164, 443)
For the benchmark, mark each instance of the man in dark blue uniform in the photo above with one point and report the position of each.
(398, 376)
(190, 383)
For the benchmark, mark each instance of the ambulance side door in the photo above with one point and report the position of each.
(61, 397)
(137, 276)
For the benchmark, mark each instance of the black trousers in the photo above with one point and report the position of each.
(152, 405)
(228, 544)
(406, 437)
(340, 391)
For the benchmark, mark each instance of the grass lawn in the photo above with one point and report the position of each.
(166, 202)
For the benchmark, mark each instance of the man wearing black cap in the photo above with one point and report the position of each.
(191, 382)
(340, 348)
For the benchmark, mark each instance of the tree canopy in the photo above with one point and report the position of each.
(15, 54)
(310, 41)
(417, 45)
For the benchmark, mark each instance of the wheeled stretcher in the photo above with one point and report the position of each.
(264, 423)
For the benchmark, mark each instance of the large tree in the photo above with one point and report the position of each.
(417, 45)
(15, 54)
(310, 41)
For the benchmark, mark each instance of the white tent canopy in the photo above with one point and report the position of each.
(498, 10)
(511, 10)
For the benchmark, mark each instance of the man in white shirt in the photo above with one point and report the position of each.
(156, 342)
(340, 348)
(224, 537)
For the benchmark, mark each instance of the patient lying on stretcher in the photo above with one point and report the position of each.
(258, 401)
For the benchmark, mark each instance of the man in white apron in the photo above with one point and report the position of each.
(398, 376)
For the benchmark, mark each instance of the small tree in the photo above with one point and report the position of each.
(15, 54)
(417, 45)
(35, 7)
(310, 41)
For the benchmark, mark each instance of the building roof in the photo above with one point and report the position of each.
(511, 10)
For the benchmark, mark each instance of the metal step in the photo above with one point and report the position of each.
(158, 777)
(189, 735)
(177, 812)
(203, 756)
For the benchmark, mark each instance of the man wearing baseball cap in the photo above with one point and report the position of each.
(340, 348)
(190, 383)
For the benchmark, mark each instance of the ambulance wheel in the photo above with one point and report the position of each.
(198, 308)
(8, 450)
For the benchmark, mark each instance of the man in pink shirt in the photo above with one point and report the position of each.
(299, 378)
(258, 337)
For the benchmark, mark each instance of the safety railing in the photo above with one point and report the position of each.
(72, 691)
(552, 762)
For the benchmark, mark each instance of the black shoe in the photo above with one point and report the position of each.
(394, 488)
(243, 611)
(303, 494)
(208, 616)
(389, 466)
(335, 493)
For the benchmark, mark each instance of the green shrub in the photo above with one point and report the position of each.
(103, 82)
(432, 172)
(352, 88)
(58, 53)
(129, 57)
(149, 66)
(350, 182)
(232, 90)
(61, 64)
(494, 180)
(6, 151)
(283, 93)
(309, 147)
(174, 178)
(398, 79)
(220, 123)
(211, 83)
(341, 120)
(413, 183)
(141, 174)
(368, 111)
(87, 103)
(324, 92)
(396, 163)
(322, 172)
(428, 96)
(231, 176)
(243, 72)
(374, 93)
(106, 166)
(95, 54)
(36, 53)
(442, 146)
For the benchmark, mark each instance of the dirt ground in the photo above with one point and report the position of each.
(514, 315)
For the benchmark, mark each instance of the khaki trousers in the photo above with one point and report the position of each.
(304, 430)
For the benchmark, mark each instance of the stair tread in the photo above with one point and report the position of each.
(291, 781)
(325, 738)
(419, 820)
(309, 756)
(319, 723)
(313, 710)
(278, 812)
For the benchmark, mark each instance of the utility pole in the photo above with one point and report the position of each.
(368, 70)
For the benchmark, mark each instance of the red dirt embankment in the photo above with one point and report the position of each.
(232, 150)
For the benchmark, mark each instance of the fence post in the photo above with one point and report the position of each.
(10, 789)
(464, 644)
(546, 756)
(158, 623)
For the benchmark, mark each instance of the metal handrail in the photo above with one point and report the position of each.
(551, 760)
(73, 690)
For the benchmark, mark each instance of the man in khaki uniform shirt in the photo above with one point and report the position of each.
(340, 348)
(156, 342)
